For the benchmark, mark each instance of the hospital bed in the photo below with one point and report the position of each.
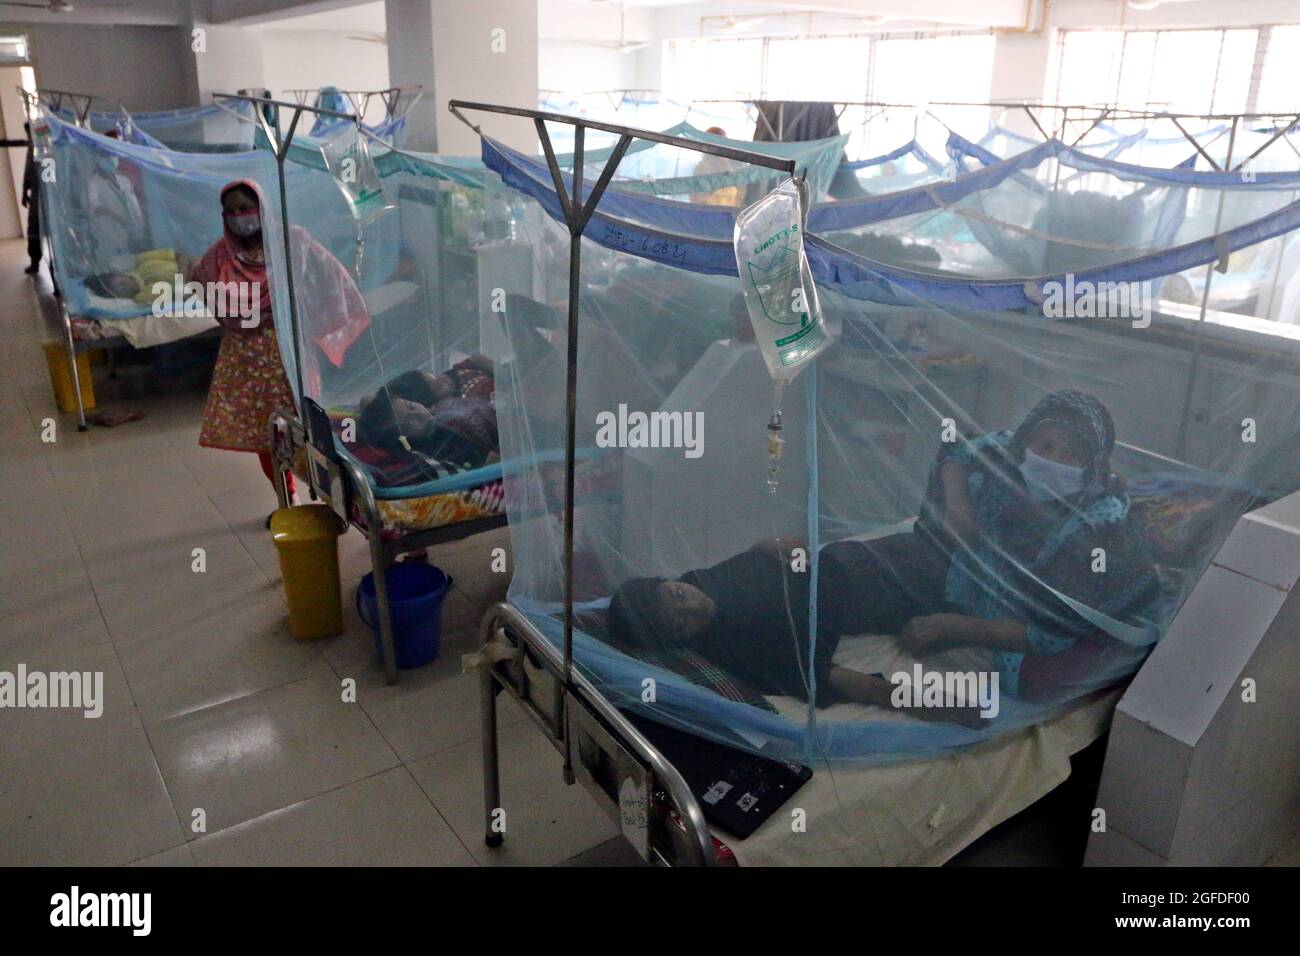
(914, 811)
(112, 324)
(394, 521)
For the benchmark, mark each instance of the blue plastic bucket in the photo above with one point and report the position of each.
(415, 595)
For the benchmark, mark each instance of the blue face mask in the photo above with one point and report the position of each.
(1046, 479)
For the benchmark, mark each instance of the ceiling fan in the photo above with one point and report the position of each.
(621, 44)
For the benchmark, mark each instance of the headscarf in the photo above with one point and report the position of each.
(338, 311)
(1087, 419)
(227, 262)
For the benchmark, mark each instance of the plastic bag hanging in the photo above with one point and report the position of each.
(779, 296)
(777, 282)
(347, 157)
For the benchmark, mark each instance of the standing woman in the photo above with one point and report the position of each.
(249, 381)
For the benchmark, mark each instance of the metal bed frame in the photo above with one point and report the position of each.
(340, 482)
(629, 778)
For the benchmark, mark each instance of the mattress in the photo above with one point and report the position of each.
(917, 812)
(464, 497)
(400, 516)
(135, 322)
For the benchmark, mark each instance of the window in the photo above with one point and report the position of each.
(13, 49)
(1184, 71)
(818, 68)
(1279, 81)
(929, 69)
(701, 69)
(854, 68)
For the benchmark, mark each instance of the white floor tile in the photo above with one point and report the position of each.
(546, 822)
(247, 757)
(105, 805)
(384, 820)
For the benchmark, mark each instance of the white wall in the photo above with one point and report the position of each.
(1201, 764)
(484, 52)
(308, 60)
(141, 68)
(232, 60)
(575, 67)
(574, 47)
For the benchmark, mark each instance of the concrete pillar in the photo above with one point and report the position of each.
(229, 59)
(1020, 64)
(484, 51)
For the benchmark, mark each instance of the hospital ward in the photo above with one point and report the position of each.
(649, 433)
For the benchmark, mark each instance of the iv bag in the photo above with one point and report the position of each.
(777, 282)
(347, 157)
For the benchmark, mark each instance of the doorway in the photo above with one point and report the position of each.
(13, 113)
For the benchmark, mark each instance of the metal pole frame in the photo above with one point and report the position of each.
(577, 214)
(80, 102)
(34, 107)
(391, 98)
(280, 149)
(1189, 392)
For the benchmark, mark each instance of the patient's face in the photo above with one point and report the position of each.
(442, 387)
(115, 285)
(685, 611)
(1057, 443)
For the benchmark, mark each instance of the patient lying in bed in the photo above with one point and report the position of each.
(1013, 522)
(151, 267)
(449, 417)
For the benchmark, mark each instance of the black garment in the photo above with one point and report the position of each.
(884, 582)
(795, 122)
(760, 630)
(33, 240)
(32, 193)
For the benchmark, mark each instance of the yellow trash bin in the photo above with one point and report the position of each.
(56, 358)
(306, 537)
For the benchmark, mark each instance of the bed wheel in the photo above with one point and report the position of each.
(494, 840)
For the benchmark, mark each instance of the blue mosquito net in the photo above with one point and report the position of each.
(122, 216)
(224, 127)
(912, 474)
(1156, 388)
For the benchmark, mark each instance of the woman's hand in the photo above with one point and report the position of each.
(932, 632)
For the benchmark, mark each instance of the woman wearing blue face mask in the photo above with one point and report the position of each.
(1042, 551)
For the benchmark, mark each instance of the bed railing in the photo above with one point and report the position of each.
(638, 788)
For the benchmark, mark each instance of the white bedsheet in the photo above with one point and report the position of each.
(143, 331)
(918, 812)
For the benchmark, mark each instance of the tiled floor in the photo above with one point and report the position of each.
(222, 740)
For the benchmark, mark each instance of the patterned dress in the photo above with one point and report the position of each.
(248, 384)
(249, 381)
